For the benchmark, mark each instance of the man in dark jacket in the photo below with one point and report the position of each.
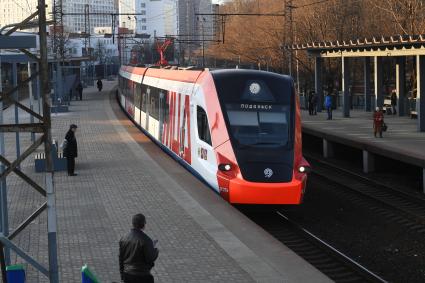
(394, 102)
(70, 150)
(99, 85)
(137, 254)
(80, 90)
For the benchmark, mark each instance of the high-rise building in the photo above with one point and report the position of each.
(14, 11)
(154, 17)
(77, 23)
(193, 28)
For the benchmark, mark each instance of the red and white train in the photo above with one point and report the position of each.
(238, 130)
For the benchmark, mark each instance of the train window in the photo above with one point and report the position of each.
(203, 127)
(137, 95)
(154, 103)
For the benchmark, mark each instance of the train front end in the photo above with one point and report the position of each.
(261, 162)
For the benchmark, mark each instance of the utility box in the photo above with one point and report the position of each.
(87, 276)
(15, 273)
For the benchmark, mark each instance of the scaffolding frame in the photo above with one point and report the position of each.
(43, 128)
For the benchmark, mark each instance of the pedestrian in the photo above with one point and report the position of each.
(378, 122)
(137, 253)
(328, 105)
(99, 85)
(394, 102)
(70, 149)
(79, 89)
(310, 103)
(314, 102)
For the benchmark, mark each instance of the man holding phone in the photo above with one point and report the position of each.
(137, 253)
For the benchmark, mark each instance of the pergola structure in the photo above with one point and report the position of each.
(374, 49)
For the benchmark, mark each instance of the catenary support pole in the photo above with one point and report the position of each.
(367, 94)
(318, 83)
(401, 85)
(49, 185)
(346, 100)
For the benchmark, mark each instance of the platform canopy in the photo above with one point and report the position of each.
(397, 47)
(402, 45)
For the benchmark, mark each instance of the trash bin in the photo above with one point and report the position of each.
(87, 276)
(15, 273)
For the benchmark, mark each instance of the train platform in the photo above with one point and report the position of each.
(402, 141)
(121, 172)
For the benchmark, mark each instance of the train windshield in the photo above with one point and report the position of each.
(258, 124)
(258, 106)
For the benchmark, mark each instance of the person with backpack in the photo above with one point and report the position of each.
(70, 149)
(328, 105)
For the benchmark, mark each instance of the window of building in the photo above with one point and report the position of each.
(143, 27)
(203, 127)
(143, 20)
(143, 5)
(143, 12)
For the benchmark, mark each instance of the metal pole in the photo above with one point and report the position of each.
(30, 84)
(16, 96)
(51, 205)
(3, 263)
(4, 216)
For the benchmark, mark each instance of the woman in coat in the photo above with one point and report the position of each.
(70, 151)
(378, 122)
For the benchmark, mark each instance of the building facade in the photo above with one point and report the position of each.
(14, 11)
(152, 17)
(77, 23)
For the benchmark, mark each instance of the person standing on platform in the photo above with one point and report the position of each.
(137, 253)
(70, 150)
(99, 85)
(328, 105)
(394, 102)
(378, 122)
(310, 103)
(79, 88)
(314, 102)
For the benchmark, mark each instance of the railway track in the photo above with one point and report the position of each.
(400, 206)
(317, 252)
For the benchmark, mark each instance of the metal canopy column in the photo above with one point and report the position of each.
(401, 85)
(345, 87)
(318, 82)
(379, 99)
(367, 94)
(420, 98)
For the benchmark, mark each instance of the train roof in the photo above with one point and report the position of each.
(191, 75)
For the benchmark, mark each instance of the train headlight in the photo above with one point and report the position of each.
(304, 169)
(224, 167)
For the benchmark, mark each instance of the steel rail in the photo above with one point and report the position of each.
(341, 257)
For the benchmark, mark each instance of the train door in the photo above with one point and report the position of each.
(147, 103)
(137, 102)
(162, 115)
(184, 131)
(206, 162)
